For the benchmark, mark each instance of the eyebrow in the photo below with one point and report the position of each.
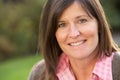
(81, 16)
(77, 17)
(60, 22)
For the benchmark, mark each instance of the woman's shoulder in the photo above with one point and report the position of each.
(116, 66)
(37, 70)
(116, 56)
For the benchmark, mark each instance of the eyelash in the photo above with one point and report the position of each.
(82, 20)
(61, 25)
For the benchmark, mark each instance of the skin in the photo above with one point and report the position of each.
(77, 35)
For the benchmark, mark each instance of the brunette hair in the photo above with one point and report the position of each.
(49, 47)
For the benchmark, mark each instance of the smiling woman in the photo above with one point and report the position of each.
(76, 42)
(77, 33)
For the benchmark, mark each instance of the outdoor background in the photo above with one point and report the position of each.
(19, 28)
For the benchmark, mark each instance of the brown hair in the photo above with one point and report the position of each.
(48, 26)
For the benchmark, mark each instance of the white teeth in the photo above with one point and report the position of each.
(76, 43)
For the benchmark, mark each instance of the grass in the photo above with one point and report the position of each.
(17, 69)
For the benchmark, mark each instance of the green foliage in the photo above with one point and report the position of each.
(19, 25)
(17, 69)
(112, 11)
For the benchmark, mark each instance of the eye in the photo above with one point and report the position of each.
(61, 25)
(82, 20)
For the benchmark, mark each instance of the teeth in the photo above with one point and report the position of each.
(76, 43)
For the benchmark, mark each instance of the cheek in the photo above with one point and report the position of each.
(60, 36)
(93, 32)
(93, 36)
(89, 32)
(91, 28)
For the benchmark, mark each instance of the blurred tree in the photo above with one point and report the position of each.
(19, 25)
(13, 1)
(117, 4)
(112, 10)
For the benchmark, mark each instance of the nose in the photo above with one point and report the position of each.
(74, 31)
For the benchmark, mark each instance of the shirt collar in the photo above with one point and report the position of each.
(63, 68)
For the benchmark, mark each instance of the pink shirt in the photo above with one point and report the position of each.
(101, 71)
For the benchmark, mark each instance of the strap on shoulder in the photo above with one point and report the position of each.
(116, 66)
(36, 70)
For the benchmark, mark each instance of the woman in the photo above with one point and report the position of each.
(76, 42)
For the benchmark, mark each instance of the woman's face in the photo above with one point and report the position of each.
(77, 33)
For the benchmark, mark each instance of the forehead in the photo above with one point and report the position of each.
(75, 9)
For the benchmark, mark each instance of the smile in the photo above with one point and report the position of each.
(77, 43)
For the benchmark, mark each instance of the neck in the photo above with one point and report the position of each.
(82, 69)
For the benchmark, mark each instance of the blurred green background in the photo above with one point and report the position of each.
(19, 25)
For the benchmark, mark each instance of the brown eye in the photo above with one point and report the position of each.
(61, 25)
(82, 20)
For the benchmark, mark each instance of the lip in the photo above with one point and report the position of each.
(77, 43)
